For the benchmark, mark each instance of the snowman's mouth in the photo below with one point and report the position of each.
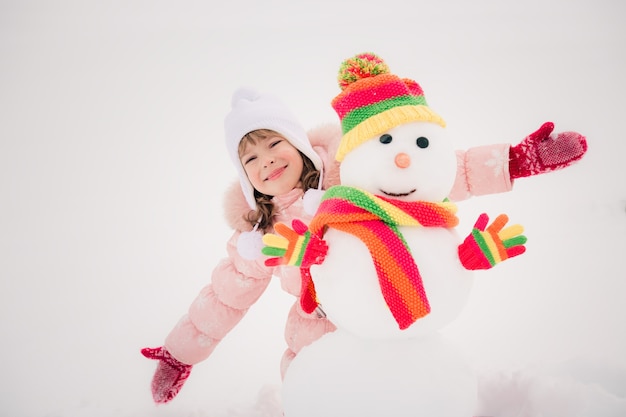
(398, 194)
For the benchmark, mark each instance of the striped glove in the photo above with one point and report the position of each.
(487, 246)
(294, 247)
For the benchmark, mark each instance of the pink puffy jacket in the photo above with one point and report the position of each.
(237, 283)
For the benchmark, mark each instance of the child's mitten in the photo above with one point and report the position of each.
(487, 246)
(169, 376)
(542, 152)
(295, 247)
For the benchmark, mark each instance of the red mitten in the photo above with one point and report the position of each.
(169, 376)
(542, 152)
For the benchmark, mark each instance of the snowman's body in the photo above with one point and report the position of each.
(347, 376)
(348, 288)
(368, 366)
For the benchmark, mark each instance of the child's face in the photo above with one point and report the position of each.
(273, 165)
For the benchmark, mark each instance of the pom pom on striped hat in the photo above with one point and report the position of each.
(373, 100)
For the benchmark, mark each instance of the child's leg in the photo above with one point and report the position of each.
(285, 361)
(301, 330)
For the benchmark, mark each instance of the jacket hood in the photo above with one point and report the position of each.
(324, 140)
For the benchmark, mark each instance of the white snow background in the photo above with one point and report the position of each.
(113, 168)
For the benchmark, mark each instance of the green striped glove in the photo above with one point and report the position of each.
(487, 246)
(295, 247)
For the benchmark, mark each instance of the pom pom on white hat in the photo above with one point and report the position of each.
(251, 110)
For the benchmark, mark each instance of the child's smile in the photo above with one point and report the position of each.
(276, 174)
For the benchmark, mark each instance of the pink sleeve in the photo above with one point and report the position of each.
(482, 170)
(302, 328)
(236, 284)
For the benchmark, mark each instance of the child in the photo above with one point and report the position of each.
(277, 163)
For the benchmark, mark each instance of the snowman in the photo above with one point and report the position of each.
(383, 259)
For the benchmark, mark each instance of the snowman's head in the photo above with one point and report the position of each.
(412, 161)
(393, 143)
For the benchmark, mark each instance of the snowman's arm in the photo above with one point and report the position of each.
(489, 245)
(295, 246)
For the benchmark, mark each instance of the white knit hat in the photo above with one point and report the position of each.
(251, 111)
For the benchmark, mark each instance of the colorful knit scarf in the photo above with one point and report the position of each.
(375, 220)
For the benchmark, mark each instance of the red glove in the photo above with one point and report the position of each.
(487, 246)
(540, 152)
(170, 374)
(294, 247)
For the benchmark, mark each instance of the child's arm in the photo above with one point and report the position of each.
(492, 169)
(236, 284)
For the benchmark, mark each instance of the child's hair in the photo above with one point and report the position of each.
(264, 214)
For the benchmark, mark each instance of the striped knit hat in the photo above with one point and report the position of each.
(373, 101)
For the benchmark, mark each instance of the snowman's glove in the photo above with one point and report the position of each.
(542, 151)
(487, 246)
(170, 374)
(294, 247)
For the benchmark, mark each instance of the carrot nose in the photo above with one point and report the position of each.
(403, 160)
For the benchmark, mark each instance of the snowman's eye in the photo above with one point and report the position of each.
(422, 142)
(385, 139)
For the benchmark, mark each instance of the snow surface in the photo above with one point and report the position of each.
(112, 170)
